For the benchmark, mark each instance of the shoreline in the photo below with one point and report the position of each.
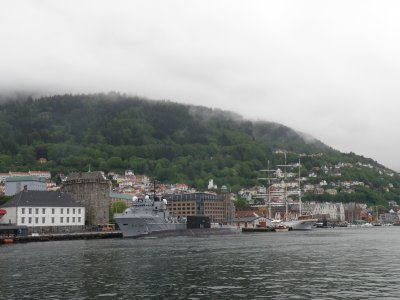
(61, 237)
(115, 234)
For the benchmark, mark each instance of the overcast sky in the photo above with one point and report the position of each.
(327, 68)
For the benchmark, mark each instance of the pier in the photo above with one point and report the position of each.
(61, 237)
(258, 229)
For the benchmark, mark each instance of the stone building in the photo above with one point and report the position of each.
(92, 189)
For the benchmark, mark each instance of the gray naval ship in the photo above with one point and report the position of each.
(147, 216)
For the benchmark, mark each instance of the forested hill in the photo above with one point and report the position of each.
(173, 142)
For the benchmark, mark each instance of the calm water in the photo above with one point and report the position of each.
(340, 263)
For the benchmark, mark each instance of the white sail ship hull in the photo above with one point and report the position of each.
(301, 224)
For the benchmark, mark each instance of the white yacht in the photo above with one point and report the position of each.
(303, 222)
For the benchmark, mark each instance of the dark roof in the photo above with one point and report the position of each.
(42, 199)
(86, 176)
(24, 178)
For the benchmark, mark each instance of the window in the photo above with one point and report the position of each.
(43, 210)
(52, 220)
(30, 220)
(43, 220)
(62, 210)
(23, 210)
(23, 220)
(36, 220)
(30, 211)
(68, 211)
(79, 211)
(73, 210)
(73, 219)
(53, 211)
(79, 219)
(67, 219)
(36, 210)
(61, 220)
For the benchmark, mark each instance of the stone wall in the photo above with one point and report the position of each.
(91, 189)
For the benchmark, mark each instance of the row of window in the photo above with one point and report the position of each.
(53, 210)
(36, 219)
(193, 204)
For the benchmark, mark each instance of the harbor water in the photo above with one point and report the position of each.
(339, 263)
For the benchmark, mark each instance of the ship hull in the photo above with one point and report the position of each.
(301, 224)
(140, 226)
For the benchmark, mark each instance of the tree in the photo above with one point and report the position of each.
(117, 207)
(241, 203)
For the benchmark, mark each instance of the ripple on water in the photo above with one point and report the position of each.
(323, 264)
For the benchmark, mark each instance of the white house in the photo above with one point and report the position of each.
(211, 185)
(16, 184)
(43, 209)
(41, 174)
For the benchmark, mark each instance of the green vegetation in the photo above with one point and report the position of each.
(170, 141)
(4, 199)
(117, 207)
(241, 203)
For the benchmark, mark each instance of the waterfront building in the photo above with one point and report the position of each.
(332, 211)
(92, 189)
(252, 222)
(218, 207)
(389, 218)
(15, 184)
(44, 211)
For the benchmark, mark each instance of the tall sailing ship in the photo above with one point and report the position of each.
(300, 221)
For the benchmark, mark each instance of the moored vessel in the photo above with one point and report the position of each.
(147, 216)
(304, 222)
(281, 228)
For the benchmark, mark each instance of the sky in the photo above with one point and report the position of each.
(330, 69)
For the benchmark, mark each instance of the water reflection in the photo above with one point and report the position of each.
(323, 264)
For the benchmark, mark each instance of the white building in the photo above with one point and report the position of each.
(211, 185)
(41, 174)
(43, 209)
(16, 184)
(334, 210)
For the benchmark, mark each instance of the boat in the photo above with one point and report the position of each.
(147, 216)
(258, 229)
(8, 241)
(281, 228)
(303, 222)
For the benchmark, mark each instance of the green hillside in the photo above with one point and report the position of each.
(173, 142)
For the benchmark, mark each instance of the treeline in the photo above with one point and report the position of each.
(170, 141)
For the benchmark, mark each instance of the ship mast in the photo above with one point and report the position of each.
(285, 182)
(268, 187)
(285, 188)
(300, 212)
